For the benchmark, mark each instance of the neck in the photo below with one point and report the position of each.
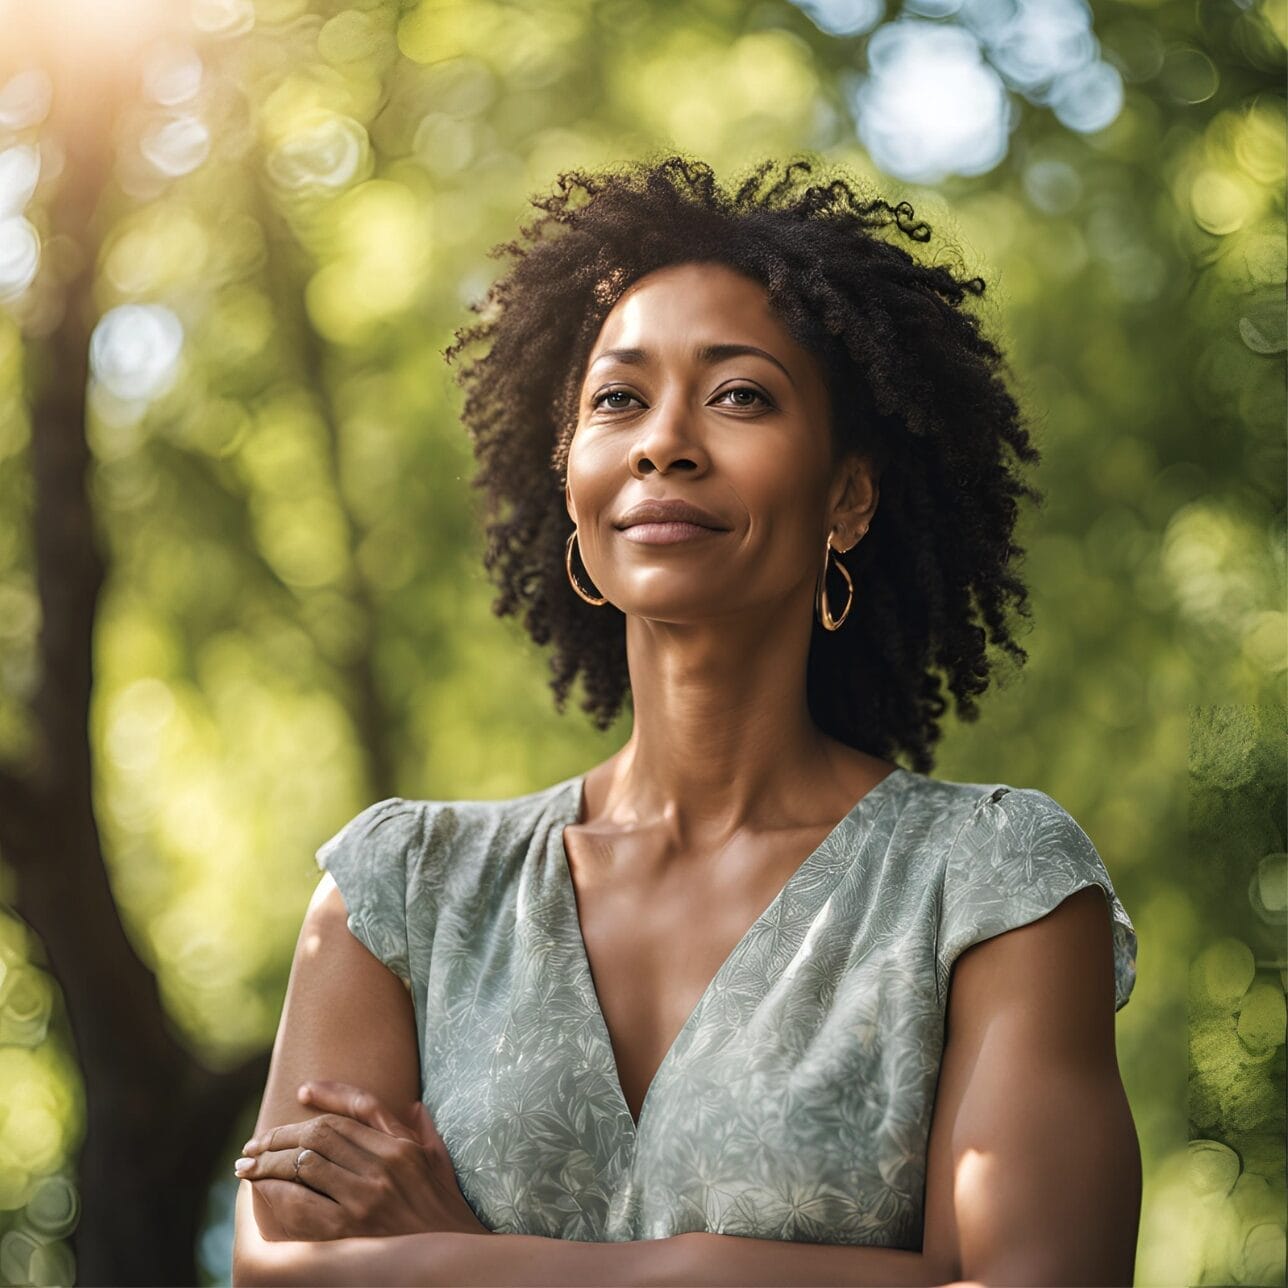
(722, 736)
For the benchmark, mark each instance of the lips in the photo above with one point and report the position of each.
(671, 511)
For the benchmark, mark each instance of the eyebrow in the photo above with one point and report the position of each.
(709, 353)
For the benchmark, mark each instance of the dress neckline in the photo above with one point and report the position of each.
(568, 814)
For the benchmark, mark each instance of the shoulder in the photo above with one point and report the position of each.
(391, 819)
(404, 837)
(1017, 855)
(940, 810)
(979, 826)
(981, 802)
(1021, 863)
(1020, 835)
(401, 819)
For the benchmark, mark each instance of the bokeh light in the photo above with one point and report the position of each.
(327, 152)
(223, 17)
(19, 172)
(19, 256)
(172, 74)
(931, 106)
(25, 98)
(1034, 44)
(843, 17)
(176, 146)
(934, 100)
(134, 351)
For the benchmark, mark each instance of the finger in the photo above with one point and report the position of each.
(317, 1132)
(343, 1141)
(316, 1171)
(357, 1102)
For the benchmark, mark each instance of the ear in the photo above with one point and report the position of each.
(572, 514)
(853, 500)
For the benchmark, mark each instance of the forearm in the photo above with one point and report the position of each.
(438, 1258)
(729, 1259)
(364, 1261)
(687, 1259)
(263, 1255)
(508, 1260)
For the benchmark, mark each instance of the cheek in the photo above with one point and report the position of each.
(593, 478)
(785, 533)
(776, 502)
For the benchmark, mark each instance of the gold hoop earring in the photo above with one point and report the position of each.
(572, 536)
(821, 605)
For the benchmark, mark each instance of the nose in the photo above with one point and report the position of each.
(667, 440)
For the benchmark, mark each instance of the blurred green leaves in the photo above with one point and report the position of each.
(297, 620)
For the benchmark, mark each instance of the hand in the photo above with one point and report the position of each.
(363, 1171)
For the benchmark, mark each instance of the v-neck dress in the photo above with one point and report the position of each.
(795, 1102)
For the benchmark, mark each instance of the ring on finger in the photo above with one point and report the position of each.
(299, 1158)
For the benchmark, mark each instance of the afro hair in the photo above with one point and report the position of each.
(911, 379)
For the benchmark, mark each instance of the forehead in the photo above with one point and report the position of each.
(679, 303)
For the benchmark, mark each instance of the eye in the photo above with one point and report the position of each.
(755, 398)
(746, 389)
(601, 399)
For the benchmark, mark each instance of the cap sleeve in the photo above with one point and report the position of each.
(371, 859)
(1017, 857)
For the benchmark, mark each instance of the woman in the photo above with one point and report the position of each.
(749, 1002)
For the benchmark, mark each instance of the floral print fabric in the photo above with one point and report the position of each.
(795, 1102)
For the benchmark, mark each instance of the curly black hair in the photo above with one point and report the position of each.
(911, 380)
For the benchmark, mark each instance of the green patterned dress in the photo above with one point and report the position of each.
(795, 1102)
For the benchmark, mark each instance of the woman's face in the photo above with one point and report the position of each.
(695, 391)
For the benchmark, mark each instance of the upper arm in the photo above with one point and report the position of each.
(1033, 1165)
(347, 1017)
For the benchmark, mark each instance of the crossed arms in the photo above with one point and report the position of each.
(1033, 1166)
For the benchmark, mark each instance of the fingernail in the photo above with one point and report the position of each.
(248, 1146)
(243, 1165)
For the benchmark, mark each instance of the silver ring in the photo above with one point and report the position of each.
(299, 1154)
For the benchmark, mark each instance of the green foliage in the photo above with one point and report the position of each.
(297, 622)
(1236, 997)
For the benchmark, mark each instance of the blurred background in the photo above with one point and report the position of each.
(241, 590)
